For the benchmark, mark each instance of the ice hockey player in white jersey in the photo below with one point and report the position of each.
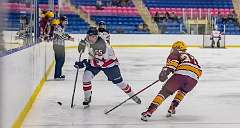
(101, 58)
(103, 32)
(215, 37)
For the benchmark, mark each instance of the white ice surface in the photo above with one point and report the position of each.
(214, 102)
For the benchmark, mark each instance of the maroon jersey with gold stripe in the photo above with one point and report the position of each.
(184, 63)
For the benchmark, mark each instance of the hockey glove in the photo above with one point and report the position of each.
(81, 46)
(163, 76)
(71, 39)
(80, 64)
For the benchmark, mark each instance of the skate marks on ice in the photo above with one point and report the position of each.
(103, 108)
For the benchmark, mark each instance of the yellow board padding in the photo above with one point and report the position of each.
(19, 121)
(197, 71)
(158, 99)
(180, 95)
(232, 46)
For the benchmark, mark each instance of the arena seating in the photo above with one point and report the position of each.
(129, 14)
(125, 24)
(93, 3)
(189, 3)
(127, 18)
(197, 8)
(131, 11)
(46, 1)
(76, 24)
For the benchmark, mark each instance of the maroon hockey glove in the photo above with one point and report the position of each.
(163, 76)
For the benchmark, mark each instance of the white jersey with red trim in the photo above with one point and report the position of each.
(101, 54)
(104, 34)
(216, 34)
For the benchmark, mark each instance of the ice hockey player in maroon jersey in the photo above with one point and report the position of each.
(186, 72)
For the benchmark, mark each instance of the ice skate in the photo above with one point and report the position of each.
(145, 116)
(137, 100)
(212, 45)
(86, 102)
(60, 78)
(171, 111)
(218, 44)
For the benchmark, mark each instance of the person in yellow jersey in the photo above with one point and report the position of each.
(45, 24)
(185, 74)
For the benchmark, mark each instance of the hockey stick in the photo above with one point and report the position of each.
(74, 88)
(107, 111)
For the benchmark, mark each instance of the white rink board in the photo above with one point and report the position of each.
(146, 39)
(21, 72)
(156, 39)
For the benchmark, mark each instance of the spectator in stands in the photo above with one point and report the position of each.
(139, 27)
(163, 26)
(156, 17)
(109, 3)
(173, 17)
(45, 24)
(120, 30)
(167, 15)
(25, 32)
(142, 27)
(224, 19)
(99, 5)
(145, 28)
(162, 17)
(219, 16)
(115, 3)
(233, 17)
(124, 3)
(121, 3)
(43, 13)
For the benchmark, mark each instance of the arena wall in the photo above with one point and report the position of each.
(23, 73)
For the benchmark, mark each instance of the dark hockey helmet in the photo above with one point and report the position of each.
(63, 18)
(92, 31)
(24, 19)
(102, 24)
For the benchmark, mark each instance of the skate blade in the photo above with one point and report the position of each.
(169, 115)
(86, 106)
(144, 119)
